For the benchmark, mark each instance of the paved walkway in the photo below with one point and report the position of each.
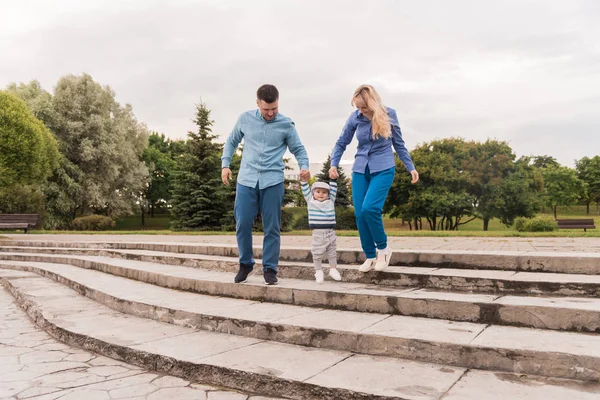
(503, 244)
(35, 366)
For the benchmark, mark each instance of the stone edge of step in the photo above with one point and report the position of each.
(392, 278)
(550, 364)
(260, 384)
(568, 319)
(519, 261)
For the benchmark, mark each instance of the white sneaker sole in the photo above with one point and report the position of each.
(336, 278)
(366, 269)
(381, 265)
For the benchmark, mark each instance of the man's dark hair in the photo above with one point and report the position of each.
(267, 93)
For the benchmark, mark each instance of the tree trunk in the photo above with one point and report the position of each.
(554, 212)
(143, 216)
(152, 210)
(486, 223)
(587, 208)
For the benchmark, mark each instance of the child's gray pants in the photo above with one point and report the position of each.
(324, 242)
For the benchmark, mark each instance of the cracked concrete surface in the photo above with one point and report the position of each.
(35, 366)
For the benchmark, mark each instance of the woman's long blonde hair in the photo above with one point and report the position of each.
(381, 121)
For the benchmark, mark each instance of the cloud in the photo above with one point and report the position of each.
(511, 70)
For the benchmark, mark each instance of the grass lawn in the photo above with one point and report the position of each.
(134, 222)
(160, 225)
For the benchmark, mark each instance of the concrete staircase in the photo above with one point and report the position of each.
(450, 325)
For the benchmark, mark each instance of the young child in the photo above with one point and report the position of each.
(321, 219)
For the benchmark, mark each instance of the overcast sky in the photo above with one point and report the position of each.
(524, 71)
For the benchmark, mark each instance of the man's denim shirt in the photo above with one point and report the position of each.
(265, 143)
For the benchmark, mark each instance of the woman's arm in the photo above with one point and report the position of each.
(343, 140)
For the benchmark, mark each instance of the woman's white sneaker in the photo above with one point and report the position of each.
(319, 276)
(367, 265)
(335, 274)
(383, 259)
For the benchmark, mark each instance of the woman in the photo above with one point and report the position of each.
(377, 130)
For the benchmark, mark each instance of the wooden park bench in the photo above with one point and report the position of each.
(584, 223)
(19, 221)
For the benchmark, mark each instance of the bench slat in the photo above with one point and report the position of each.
(573, 223)
(19, 221)
(16, 225)
(588, 221)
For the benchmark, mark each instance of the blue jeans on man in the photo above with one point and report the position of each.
(248, 202)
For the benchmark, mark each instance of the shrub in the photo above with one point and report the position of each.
(93, 223)
(345, 219)
(301, 223)
(520, 223)
(287, 218)
(537, 224)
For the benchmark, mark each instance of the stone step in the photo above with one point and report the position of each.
(558, 262)
(556, 313)
(451, 343)
(265, 367)
(449, 279)
(35, 366)
(196, 260)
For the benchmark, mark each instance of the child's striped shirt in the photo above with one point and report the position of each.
(321, 214)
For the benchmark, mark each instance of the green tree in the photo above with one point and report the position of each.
(518, 195)
(28, 151)
(588, 170)
(161, 159)
(22, 199)
(37, 99)
(544, 162)
(198, 195)
(343, 193)
(102, 142)
(487, 166)
(441, 197)
(502, 187)
(562, 187)
(462, 180)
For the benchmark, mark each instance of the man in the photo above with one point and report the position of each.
(267, 135)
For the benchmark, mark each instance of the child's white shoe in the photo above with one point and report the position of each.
(319, 276)
(335, 274)
(383, 259)
(367, 265)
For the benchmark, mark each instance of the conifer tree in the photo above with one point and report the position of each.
(343, 192)
(198, 202)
